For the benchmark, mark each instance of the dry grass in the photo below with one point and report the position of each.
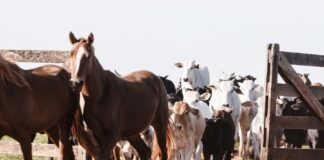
(38, 139)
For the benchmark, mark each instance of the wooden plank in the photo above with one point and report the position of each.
(304, 59)
(41, 56)
(270, 98)
(42, 150)
(297, 154)
(297, 122)
(290, 76)
(289, 90)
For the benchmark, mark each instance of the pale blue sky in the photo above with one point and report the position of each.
(228, 36)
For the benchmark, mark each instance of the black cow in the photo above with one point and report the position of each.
(218, 137)
(295, 137)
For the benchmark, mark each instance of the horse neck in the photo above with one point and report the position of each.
(95, 81)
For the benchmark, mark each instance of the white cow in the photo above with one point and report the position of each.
(256, 128)
(251, 92)
(187, 127)
(225, 94)
(193, 76)
(195, 100)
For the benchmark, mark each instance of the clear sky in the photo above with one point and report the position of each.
(228, 36)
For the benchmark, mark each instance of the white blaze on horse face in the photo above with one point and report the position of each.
(79, 55)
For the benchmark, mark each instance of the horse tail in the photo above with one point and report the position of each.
(84, 137)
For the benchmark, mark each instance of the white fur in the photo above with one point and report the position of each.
(250, 90)
(198, 78)
(223, 95)
(81, 52)
(193, 99)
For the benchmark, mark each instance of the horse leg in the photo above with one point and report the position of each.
(140, 146)
(53, 135)
(25, 144)
(106, 144)
(160, 125)
(66, 151)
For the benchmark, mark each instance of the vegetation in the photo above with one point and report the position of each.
(38, 139)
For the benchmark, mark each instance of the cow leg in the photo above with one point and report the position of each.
(242, 135)
(198, 151)
(140, 146)
(256, 146)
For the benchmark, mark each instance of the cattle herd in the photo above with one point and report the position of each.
(197, 118)
(232, 110)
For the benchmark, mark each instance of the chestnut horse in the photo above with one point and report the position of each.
(117, 107)
(36, 100)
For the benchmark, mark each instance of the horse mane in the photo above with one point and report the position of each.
(11, 73)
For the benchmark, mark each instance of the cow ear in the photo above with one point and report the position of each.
(249, 104)
(196, 66)
(194, 111)
(212, 87)
(224, 109)
(90, 38)
(179, 65)
(170, 111)
(205, 96)
(72, 38)
(237, 90)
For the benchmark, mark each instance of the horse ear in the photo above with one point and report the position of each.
(179, 65)
(72, 38)
(90, 38)
(165, 77)
(306, 75)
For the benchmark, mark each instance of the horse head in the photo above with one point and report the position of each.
(81, 56)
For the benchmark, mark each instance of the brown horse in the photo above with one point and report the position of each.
(117, 107)
(37, 100)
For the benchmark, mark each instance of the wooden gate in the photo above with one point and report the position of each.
(279, 62)
(37, 56)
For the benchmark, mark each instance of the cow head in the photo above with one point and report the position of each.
(192, 97)
(247, 87)
(189, 69)
(181, 115)
(305, 78)
(222, 111)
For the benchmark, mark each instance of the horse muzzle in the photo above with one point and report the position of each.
(76, 85)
